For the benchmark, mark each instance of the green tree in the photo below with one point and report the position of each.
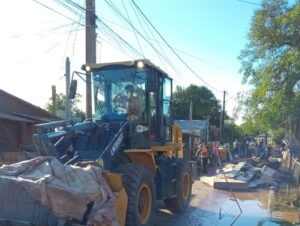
(271, 65)
(231, 131)
(205, 104)
(61, 102)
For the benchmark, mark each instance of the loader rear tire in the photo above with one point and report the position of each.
(181, 202)
(140, 187)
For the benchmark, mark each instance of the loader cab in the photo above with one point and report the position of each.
(136, 91)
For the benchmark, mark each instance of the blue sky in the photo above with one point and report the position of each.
(207, 34)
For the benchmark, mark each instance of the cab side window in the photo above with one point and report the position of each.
(167, 90)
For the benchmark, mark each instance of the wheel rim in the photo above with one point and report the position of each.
(144, 203)
(186, 186)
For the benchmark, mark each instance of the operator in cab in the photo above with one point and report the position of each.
(133, 105)
(131, 102)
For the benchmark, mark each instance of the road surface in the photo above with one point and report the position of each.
(210, 207)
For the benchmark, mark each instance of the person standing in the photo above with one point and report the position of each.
(215, 153)
(198, 158)
(252, 147)
(204, 157)
(236, 147)
(194, 151)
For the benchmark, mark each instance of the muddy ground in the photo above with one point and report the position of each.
(210, 207)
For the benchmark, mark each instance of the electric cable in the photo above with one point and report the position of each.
(134, 30)
(162, 51)
(45, 52)
(114, 8)
(53, 10)
(73, 47)
(113, 32)
(69, 37)
(172, 49)
(110, 30)
(250, 3)
(123, 17)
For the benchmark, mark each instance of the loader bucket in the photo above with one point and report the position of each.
(115, 183)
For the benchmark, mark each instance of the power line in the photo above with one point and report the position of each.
(67, 6)
(200, 59)
(118, 36)
(109, 30)
(250, 3)
(128, 45)
(172, 49)
(42, 34)
(134, 28)
(134, 31)
(53, 10)
(147, 40)
(45, 52)
(161, 49)
(73, 47)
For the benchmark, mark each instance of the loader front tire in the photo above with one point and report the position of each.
(181, 202)
(140, 187)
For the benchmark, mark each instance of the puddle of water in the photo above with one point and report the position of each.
(253, 204)
(256, 206)
(207, 202)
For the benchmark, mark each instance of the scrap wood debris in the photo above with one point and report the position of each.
(249, 174)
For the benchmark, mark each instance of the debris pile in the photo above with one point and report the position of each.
(249, 174)
(43, 187)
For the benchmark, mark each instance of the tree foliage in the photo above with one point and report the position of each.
(271, 64)
(231, 132)
(61, 103)
(205, 104)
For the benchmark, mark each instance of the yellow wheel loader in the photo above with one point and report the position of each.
(131, 136)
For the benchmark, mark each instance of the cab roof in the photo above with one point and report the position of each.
(124, 63)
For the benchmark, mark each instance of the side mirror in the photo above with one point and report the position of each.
(73, 89)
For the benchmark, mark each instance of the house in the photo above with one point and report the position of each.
(194, 132)
(195, 128)
(17, 120)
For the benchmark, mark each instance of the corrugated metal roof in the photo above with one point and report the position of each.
(12, 105)
(12, 117)
(34, 118)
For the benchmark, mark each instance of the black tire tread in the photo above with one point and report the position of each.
(132, 174)
(179, 204)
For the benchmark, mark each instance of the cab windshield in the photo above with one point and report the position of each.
(119, 91)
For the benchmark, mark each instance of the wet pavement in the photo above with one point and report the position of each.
(211, 207)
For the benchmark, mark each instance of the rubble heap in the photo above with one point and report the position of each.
(249, 174)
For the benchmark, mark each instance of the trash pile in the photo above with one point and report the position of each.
(249, 174)
(44, 190)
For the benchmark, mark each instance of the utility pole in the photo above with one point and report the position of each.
(207, 129)
(90, 45)
(222, 118)
(53, 88)
(191, 127)
(68, 101)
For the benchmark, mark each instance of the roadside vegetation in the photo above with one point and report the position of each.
(270, 64)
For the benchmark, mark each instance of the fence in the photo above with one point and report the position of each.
(292, 164)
